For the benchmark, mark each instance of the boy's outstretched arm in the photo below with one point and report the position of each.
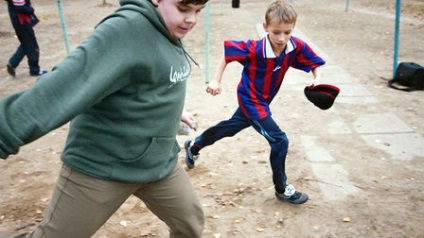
(214, 87)
(317, 76)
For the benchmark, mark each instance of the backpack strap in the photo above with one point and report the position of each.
(393, 81)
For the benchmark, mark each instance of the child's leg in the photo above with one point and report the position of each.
(279, 143)
(80, 205)
(31, 49)
(17, 57)
(174, 200)
(223, 129)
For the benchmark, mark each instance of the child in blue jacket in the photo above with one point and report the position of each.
(23, 20)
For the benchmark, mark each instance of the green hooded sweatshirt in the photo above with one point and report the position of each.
(122, 89)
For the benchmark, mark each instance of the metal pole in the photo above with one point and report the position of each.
(62, 19)
(207, 10)
(347, 5)
(395, 56)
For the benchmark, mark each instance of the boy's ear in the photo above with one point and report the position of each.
(155, 2)
(265, 26)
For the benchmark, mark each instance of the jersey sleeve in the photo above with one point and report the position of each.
(306, 59)
(236, 51)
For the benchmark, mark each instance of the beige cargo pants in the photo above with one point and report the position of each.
(80, 205)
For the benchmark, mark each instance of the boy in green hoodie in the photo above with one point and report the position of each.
(123, 88)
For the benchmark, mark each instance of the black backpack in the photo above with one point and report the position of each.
(410, 75)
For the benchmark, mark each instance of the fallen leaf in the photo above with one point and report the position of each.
(123, 223)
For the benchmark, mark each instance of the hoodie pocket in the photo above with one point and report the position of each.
(159, 150)
(153, 164)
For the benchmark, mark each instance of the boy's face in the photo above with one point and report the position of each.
(179, 18)
(279, 34)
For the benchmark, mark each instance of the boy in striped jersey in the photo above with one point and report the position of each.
(265, 63)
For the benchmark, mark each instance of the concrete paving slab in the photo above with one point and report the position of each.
(297, 76)
(380, 123)
(404, 146)
(352, 90)
(333, 181)
(331, 75)
(363, 100)
(336, 75)
(355, 94)
(314, 151)
(338, 127)
(294, 76)
(332, 178)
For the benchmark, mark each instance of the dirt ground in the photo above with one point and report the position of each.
(233, 177)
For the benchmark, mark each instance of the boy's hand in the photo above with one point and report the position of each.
(189, 119)
(313, 83)
(214, 88)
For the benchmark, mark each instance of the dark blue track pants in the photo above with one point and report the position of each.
(267, 127)
(28, 47)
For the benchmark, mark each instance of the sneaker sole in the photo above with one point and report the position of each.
(11, 70)
(303, 198)
(189, 162)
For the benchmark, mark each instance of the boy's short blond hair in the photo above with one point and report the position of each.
(281, 11)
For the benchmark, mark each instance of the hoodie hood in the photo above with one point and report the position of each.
(149, 11)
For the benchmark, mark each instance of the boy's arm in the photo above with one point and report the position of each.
(214, 87)
(317, 76)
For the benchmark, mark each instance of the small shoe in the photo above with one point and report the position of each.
(190, 158)
(292, 196)
(11, 70)
(41, 72)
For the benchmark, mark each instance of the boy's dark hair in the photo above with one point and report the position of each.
(195, 2)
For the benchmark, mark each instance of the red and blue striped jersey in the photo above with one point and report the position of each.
(263, 72)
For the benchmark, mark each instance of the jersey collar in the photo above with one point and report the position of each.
(267, 51)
